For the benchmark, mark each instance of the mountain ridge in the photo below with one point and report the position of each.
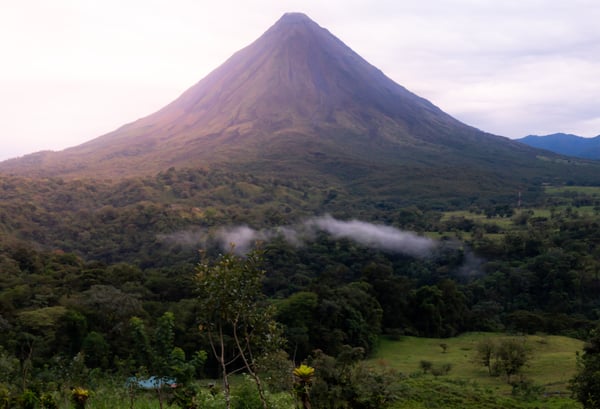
(566, 144)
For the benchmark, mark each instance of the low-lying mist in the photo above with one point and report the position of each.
(376, 236)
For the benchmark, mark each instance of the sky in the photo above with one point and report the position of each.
(72, 70)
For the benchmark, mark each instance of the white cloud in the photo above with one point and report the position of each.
(377, 236)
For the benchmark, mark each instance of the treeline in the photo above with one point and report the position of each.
(128, 220)
(125, 221)
(328, 293)
(543, 278)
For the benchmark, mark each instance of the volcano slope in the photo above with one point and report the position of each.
(299, 103)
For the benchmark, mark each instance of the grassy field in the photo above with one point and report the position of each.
(507, 224)
(552, 363)
(588, 190)
(477, 217)
(442, 393)
(468, 384)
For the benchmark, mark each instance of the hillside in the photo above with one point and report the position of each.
(566, 144)
(298, 102)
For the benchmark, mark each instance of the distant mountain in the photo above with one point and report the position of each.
(298, 102)
(566, 144)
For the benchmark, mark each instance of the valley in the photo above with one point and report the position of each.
(494, 268)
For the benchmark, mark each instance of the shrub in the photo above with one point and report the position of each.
(47, 401)
(440, 370)
(245, 396)
(426, 365)
(185, 397)
(28, 399)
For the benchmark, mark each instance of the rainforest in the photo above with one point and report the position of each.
(99, 280)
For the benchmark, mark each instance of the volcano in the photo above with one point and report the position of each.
(298, 101)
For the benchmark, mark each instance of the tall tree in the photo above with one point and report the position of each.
(239, 324)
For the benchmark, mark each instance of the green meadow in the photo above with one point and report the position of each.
(468, 384)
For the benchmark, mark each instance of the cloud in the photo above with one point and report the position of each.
(375, 236)
(386, 238)
(242, 238)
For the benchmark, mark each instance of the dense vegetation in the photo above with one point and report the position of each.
(98, 277)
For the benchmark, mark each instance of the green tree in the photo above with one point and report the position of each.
(96, 350)
(71, 331)
(164, 343)
(525, 322)
(485, 354)
(586, 383)
(347, 382)
(238, 322)
(108, 308)
(142, 352)
(297, 314)
(506, 357)
(347, 315)
(511, 355)
(427, 310)
(160, 356)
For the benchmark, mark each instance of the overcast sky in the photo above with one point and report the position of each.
(72, 70)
